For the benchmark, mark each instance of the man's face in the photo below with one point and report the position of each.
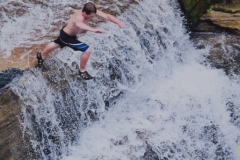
(89, 16)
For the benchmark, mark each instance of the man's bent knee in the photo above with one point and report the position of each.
(52, 45)
(89, 50)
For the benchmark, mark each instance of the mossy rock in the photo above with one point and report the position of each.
(227, 8)
(194, 9)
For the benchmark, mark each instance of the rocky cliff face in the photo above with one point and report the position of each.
(224, 15)
(12, 143)
(212, 15)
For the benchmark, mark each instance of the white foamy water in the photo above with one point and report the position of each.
(165, 101)
(174, 106)
(157, 114)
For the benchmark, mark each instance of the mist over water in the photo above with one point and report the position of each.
(154, 95)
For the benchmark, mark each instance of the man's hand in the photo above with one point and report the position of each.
(121, 24)
(110, 18)
(97, 30)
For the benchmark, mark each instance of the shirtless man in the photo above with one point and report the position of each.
(68, 37)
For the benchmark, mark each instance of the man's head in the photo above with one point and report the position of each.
(89, 8)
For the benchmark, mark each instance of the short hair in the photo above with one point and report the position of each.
(89, 8)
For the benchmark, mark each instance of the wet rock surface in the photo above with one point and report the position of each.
(12, 143)
(7, 76)
(224, 51)
(69, 95)
(225, 16)
(212, 15)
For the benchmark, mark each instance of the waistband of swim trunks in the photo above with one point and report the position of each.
(62, 33)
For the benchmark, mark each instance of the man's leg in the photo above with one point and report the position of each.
(84, 58)
(83, 62)
(49, 48)
(41, 56)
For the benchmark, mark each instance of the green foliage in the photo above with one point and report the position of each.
(209, 9)
(196, 8)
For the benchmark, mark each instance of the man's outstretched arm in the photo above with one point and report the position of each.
(110, 18)
(86, 27)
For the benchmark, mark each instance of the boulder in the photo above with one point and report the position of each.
(12, 143)
(223, 50)
(212, 15)
(7, 76)
(224, 15)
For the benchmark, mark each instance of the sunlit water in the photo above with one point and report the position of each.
(154, 96)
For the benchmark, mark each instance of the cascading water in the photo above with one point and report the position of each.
(154, 95)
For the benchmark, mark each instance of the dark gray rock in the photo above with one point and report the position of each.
(7, 76)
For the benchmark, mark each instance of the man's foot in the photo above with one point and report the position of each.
(85, 75)
(40, 60)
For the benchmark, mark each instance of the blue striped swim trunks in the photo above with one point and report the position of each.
(71, 41)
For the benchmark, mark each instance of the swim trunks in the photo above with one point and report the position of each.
(71, 41)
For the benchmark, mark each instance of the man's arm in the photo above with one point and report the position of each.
(86, 27)
(110, 18)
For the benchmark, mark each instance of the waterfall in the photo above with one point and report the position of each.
(154, 95)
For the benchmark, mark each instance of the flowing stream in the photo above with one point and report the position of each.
(154, 95)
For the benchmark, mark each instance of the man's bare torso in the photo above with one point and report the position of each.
(72, 29)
